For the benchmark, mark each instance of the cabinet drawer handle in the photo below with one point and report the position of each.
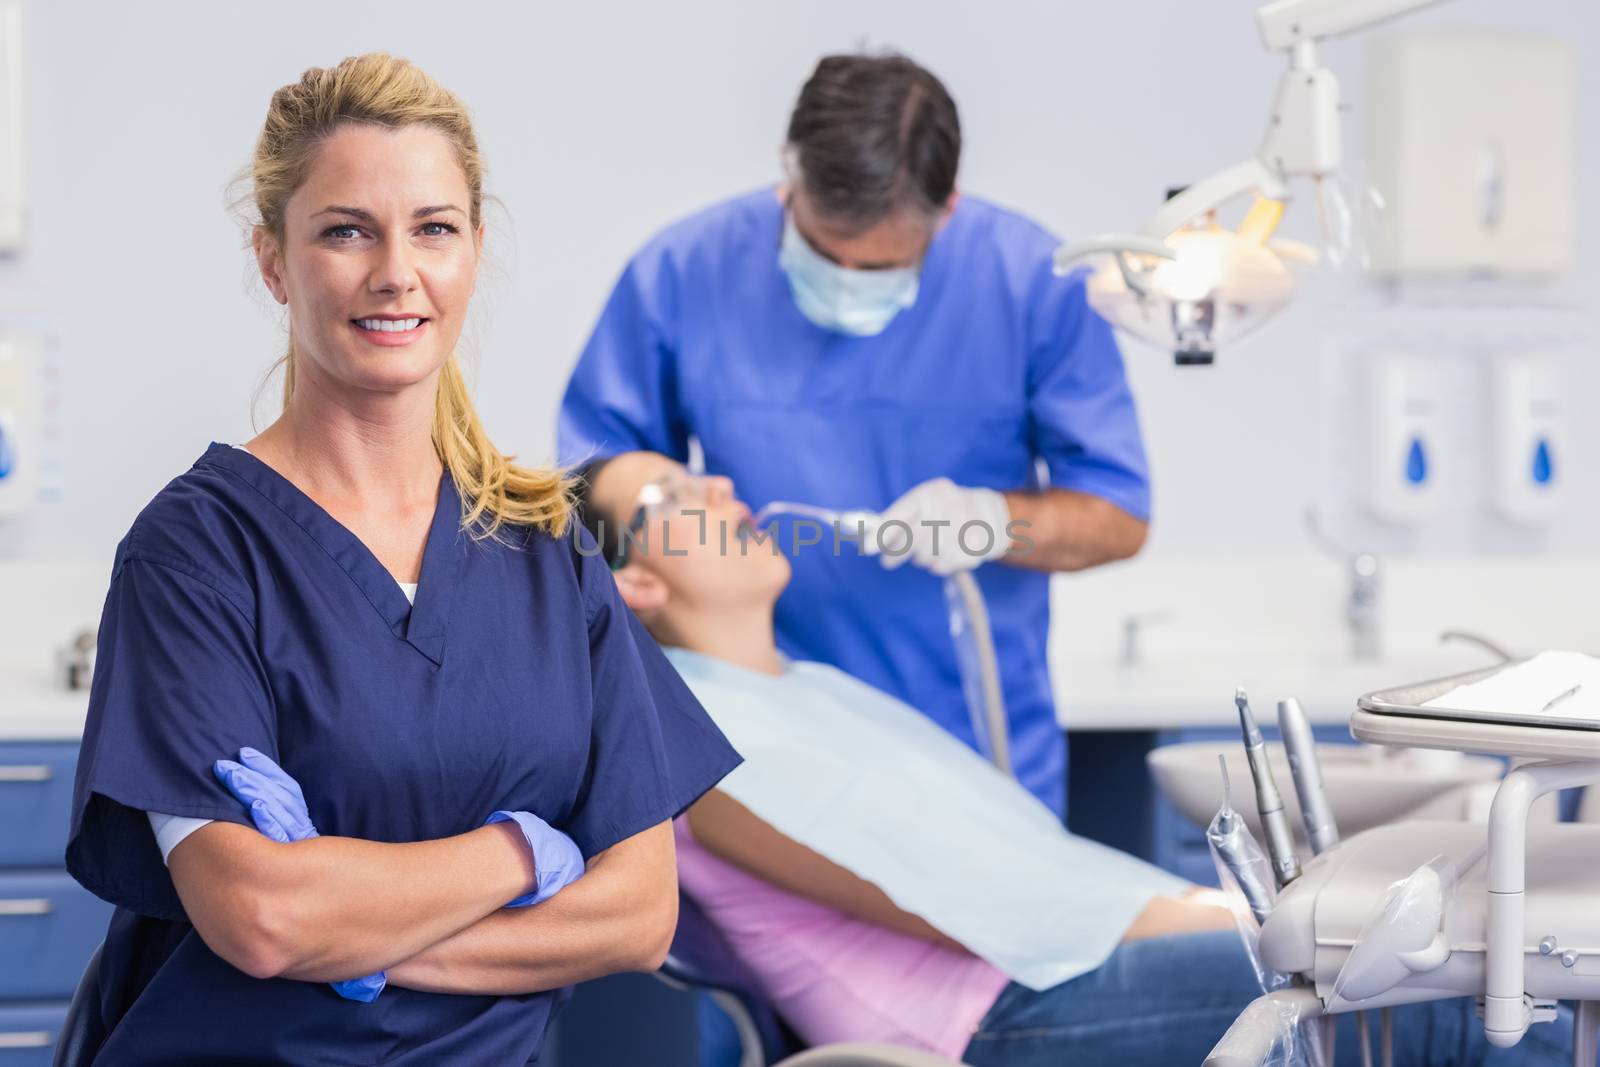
(26, 1039)
(27, 906)
(41, 772)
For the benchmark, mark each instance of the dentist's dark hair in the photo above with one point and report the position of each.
(871, 135)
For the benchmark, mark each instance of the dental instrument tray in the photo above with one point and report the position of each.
(1401, 717)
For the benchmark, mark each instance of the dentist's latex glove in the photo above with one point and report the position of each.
(935, 512)
(557, 862)
(278, 808)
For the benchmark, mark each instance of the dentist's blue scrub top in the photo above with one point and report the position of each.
(241, 613)
(999, 365)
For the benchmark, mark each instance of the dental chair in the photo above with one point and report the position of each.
(702, 960)
(1506, 912)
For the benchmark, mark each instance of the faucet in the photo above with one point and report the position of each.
(1494, 648)
(1363, 611)
(1132, 626)
(75, 660)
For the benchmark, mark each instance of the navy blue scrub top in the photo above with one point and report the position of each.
(241, 613)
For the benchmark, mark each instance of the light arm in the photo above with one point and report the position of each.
(1249, 176)
(1286, 23)
(1303, 136)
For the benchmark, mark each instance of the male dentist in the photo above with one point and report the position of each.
(862, 336)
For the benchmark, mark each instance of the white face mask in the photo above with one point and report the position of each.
(856, 302)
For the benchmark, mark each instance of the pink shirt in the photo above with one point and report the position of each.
(835, 978)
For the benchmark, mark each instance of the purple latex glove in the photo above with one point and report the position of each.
(557, 863)
(278, 808)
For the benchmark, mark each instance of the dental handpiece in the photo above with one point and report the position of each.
(1239, 852)
(1306, 770)
(855, 525)
(1269, 802)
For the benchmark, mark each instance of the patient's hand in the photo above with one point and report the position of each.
(1196, 911)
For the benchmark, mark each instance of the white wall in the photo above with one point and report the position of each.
(602, 122)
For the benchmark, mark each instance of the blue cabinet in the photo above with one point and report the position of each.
(28, 1033)
(35, 801)
(49, 925)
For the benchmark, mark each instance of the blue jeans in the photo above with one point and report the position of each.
(1164, 1002)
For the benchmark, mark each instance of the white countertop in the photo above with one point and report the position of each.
(1177, 694)
(1276, 626)
(41, 606)
(39, 713)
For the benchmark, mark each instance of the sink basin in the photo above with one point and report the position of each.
(1366, 786)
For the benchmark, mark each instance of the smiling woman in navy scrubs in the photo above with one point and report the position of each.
(258, 602)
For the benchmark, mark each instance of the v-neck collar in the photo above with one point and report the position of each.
(422, 625)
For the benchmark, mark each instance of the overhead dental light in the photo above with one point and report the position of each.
(1183, 281)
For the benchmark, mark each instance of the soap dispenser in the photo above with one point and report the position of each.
(17, 460)
(1529, 452)
(1403, 438)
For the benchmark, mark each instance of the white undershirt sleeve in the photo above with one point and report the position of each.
(170, 829)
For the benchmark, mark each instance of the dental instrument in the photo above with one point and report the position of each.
(977, 662)
(1269, 802)
(1238, 852)
(1306, 771)
(1574, 691)
(979, 667)
(1428, 909)
(857, 521)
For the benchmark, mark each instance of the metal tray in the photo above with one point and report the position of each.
(1408, 700)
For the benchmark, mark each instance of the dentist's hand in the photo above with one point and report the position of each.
(944, 528)
(557, 862)
(278, 808)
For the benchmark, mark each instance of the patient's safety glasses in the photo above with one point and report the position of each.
(672, 492)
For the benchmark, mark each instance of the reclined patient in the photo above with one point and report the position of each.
(885, 883)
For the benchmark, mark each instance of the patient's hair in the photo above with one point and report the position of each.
(607, 529)
(381, 90)
(610, 531)
(874, 134)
